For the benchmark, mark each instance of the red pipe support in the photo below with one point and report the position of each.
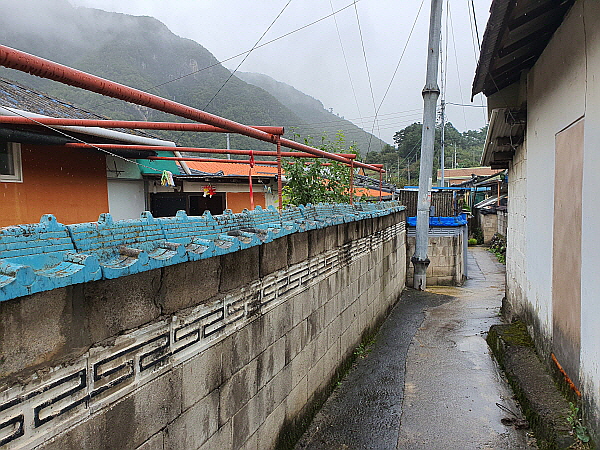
(202, 150)
(128, 124)
(219, 160)
(279, 176)
(40, 67)
(352, 183)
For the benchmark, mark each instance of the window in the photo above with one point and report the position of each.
(10, 162)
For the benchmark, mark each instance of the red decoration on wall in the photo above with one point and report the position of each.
(209, 191)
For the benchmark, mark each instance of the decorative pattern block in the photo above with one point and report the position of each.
(35, 410)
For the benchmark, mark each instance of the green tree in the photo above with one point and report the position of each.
(309, 181)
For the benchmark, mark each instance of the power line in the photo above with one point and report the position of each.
(475, 22)
(475, 34)
(457, 66)
(248, 54)
(218, 63)
(346, 61)
(81, 141)
(362, 42)
(398, 65)
(262, 45)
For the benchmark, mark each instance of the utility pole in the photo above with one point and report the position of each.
(443, 133)
(431, 92)
(228, 155)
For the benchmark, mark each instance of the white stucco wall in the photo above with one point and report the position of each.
(590, 277)
(562, 88)
(555, 99)
(126, 198)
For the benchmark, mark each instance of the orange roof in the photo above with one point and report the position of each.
(364, 192)
(232, 169)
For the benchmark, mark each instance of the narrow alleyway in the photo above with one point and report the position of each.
(429, 381)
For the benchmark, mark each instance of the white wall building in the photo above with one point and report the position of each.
(540, 68)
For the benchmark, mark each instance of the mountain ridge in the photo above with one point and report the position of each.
(141, 52)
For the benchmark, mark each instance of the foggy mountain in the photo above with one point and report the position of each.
(142, 52)
(312, 112)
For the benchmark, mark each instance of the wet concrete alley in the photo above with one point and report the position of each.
(429, 381)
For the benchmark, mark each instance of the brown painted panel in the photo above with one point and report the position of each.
(71, 184)
(566, 247)
(238, 201)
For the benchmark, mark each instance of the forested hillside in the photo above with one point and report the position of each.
(143, 53)
(402, 160)
(312, 112)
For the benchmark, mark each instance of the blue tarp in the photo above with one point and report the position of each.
(456, 221)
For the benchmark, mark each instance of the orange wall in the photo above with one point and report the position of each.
(238, 201)
(71, 184)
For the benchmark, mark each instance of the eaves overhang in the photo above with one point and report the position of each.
(517, 33)
(506, 132)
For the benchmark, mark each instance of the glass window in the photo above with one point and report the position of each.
(10, 162)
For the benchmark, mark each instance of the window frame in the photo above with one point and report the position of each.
(15, 149)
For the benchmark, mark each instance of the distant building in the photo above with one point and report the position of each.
(454, 177)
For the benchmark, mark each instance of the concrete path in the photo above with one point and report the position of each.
(429, 381)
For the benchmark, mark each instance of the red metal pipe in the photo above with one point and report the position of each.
(279, 172)
(352, 183)
(40, 67)
(219, 160)
(128, 124)
(219, 151)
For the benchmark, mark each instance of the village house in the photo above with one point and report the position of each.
(539, 68)
(40, 175)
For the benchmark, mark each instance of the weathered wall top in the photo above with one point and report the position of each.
(48, 255)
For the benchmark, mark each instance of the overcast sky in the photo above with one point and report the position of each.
(312, 59)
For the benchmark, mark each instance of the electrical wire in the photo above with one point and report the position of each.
(362, 42)
(218, 63)
(81, 141)
(460, 89)
(346, 61)
(248, 54)
(397, 66)
(475, 22)
(474, 35)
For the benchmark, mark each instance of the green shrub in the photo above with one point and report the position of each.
(472, 241)
(498, 247)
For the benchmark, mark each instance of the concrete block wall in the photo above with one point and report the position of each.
(516, 243)
(446, 255)
(502, 222)
(489, 226)
(229, 352)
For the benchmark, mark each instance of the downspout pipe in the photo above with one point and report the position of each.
(431, 92)
(40, 67)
